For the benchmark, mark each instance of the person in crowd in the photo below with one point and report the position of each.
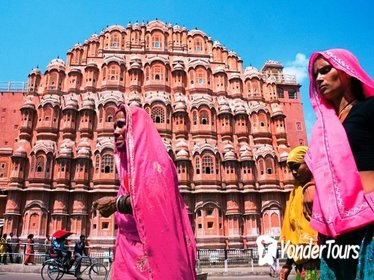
(3, 248)
(80, 250)
(341, 158)
(9, 246)
(295, 228)
(29, 250)
(155, 238)
(60, 248)
(47, 245)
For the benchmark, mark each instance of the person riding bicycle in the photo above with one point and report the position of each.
(59, 248)
(80, 250)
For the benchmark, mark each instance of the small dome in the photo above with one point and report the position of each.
(71, 104)
(56, 64)
(224, 108)
(245, 153)
(219, 69)
(232, 53)
(217, 44)
(88, 103)
(181, 144)
(251, 70)
(29, 104)
(35, 71)
(230, 155)
(20, 151)
(135, 100)
(180, 106)
(65, 151)
(84, 149)
(277, 110)
(182, 155)
(240, 109)
(178, 66)
(283, 156)
(92, 64)
(228, 147)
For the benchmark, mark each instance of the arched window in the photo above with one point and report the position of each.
(208, 167)
(114, 73)
(157, 73)
(109, 114)
(39, 164)
(198, 45)
(194, 116)
(104, 72)
(47, 114)
(156, 41)
(204, 117)
(261, 166)
(200, 75)
(192, 77)
(197, 162)
(97, 163)
(158, 114)
(107, 164)
(3, 169)
(114, 41)
(269, 165)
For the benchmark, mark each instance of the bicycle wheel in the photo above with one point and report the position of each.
(51, 271)
(97, 271)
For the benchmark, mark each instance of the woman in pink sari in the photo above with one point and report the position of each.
(155, 238)
(341, 158)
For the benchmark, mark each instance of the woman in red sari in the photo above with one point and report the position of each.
(29, 250)
(155, 238)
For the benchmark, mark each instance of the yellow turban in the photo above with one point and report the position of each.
(297, 154)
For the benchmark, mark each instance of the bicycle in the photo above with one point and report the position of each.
(107, 277)
(54, 269)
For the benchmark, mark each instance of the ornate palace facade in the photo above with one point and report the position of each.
(228, 129)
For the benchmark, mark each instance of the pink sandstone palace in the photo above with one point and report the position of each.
(228, 129)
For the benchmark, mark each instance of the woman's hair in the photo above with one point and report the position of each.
(357, 89)
(30, 236)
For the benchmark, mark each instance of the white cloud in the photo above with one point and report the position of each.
(297, 67)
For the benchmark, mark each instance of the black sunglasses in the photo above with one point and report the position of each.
(294, 166)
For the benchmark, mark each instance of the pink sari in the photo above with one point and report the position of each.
(340, 204)
(156, 241)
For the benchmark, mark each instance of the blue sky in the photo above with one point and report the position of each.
(35, 32)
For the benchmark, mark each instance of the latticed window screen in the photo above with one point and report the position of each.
(197, 166)
(157, 73)
(158, 114)
(3, 169)
(107, 164)
(110, 114)
(97, 163)
(204, 117)
(40, 164)
(198, 46)
(114, 72)
(208, 165)
(114, 41)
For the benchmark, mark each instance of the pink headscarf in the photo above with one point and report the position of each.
(157, 241)
(340, 204)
